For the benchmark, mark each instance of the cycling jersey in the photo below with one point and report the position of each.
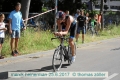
(73, 28)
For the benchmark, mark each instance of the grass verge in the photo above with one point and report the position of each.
(34, 41)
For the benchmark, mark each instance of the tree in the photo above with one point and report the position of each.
(8, 5)
(70, 5)
(25, 8)
(101, 10)
(36, 6)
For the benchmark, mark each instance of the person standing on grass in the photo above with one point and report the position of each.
(77, 14)
(92, 23)
(99, 21)
(81, 25)
(2, 30)
(96, 22)
(15, 20)
(87, 22)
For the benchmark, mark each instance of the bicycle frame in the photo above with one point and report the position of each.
(62, 39)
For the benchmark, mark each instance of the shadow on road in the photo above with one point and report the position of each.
(115, 49)
(43, 69)
(4, 75)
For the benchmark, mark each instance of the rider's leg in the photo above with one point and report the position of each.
(71, 43)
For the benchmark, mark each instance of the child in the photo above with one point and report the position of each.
(2, 29)
(93, 21)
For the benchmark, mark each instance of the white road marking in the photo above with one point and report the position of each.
(111, 76)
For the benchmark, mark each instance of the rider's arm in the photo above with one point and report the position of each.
(59, 26)
(67, 26)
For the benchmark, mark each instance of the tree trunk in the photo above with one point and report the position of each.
(102, 10)
(25, 8)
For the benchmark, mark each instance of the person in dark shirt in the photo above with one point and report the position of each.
(81, 25)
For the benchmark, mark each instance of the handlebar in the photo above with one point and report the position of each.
(58, 37)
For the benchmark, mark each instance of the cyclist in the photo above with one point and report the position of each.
(70, 25)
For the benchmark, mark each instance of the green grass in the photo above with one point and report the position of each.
(111, 32)
(32, 41)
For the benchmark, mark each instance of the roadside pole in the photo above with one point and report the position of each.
(55, 24)
(102, 10)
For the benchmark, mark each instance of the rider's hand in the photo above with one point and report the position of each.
(58, 33)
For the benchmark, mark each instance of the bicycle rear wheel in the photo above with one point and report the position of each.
(57, 59)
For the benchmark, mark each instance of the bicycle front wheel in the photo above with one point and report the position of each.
(57, 59)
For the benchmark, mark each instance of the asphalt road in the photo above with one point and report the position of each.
(101, 56)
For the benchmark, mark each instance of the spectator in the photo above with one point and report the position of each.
(77, 14)
(96, 22)
(92, 24)
(15, 20)
(96, 18)
(2, 34)
(81, 25)
(99, 21)
(87, 21)
(67, 13)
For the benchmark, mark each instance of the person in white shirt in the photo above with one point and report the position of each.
(2, 32)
